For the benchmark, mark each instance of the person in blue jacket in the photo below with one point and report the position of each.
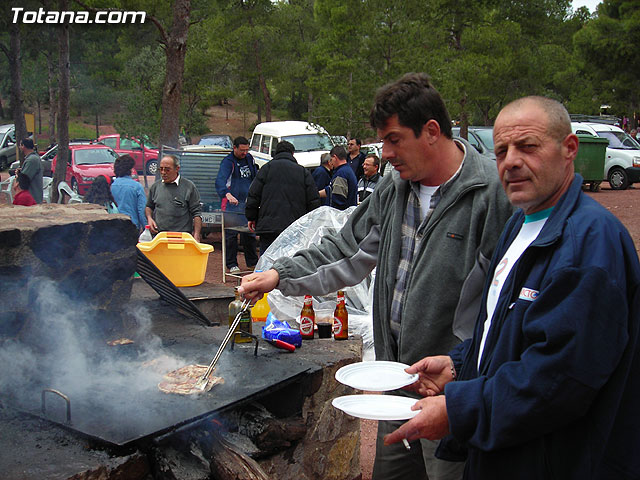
(237, 171)
(344, 184)
(548, 385)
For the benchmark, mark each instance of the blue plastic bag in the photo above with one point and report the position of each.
(275, 329)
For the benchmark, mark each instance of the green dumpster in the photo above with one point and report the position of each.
(590, 159)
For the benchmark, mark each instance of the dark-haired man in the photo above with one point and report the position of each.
(344, 184)
(282, 192)
(237, 171)
(430, 227)
(355, 157)
(370, 177)
(32, 168)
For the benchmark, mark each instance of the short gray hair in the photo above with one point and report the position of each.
(176, 160)
(559, 125)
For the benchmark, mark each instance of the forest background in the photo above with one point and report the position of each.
(314, 60)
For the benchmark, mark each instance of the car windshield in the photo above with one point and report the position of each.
(310, 143)
(221, 141)
(486, 135)
(95, 156)
(620, 140)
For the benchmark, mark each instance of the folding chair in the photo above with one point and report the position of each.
(6, 186)
(64, 188)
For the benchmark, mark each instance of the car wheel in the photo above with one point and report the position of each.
(152, 167)
(618, 178)
(74, 185)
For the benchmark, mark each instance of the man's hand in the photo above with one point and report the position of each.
(433, 374)
(254, 285)
(231, 199)
(153, 226)
(251, 225)
(432, 422)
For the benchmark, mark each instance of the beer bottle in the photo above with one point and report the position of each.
(340, 319)
(245, 319)
(307, 318)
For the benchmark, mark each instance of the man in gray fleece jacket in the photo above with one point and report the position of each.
(430, 228)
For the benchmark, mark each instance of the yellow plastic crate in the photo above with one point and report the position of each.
(179, 257)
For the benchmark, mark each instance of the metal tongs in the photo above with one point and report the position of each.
(202, 383)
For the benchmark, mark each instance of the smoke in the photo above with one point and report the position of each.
(63, 346)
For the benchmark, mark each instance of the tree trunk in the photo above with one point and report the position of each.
(261, 81)
(17, 108)
(52, 96)
(1, 109)
(464, 117)
(175, 51)
(63, 107)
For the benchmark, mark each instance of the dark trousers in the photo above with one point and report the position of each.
(267, 239)
(248, 241)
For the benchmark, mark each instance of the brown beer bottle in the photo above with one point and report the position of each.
(340, 319)
(307, 319)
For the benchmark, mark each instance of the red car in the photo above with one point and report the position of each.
(86, 162)
(135, 148)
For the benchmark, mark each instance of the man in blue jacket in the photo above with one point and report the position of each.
(344, 184)
(547, 387)
(237, 171)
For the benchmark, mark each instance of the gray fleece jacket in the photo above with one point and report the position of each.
(442, 298)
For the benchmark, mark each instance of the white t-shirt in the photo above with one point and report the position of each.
(425, 200)
(528, 233)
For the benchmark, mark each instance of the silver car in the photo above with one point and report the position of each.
(481, 138)
(7, 145)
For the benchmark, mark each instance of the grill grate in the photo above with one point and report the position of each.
(166, 289)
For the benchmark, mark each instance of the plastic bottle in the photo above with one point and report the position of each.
(145, 236)
(307, 319)
(340, 319)
(260, 310)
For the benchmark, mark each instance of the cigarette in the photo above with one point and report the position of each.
(406, 444)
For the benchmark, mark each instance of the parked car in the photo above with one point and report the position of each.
(481, 138)
(622, 161)
(211, 142)
(7, 145)
(85, 163)
(135, 148)
(48, 156)
(310, 141)
(375, 148)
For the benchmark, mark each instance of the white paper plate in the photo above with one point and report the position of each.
(377, 407)
(375, 376)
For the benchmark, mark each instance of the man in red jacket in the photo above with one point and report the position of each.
(21, 195)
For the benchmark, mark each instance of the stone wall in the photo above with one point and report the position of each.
(86, 253)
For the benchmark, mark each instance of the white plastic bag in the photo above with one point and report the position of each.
(306, 231)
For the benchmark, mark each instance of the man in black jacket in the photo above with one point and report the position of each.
(282, 192)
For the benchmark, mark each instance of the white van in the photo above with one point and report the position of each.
(309, 140)
(622, 162)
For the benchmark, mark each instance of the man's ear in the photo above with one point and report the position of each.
(570, 146)
(432, 131)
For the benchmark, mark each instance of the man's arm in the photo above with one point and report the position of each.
(197, 228)
(150, 221)
(223, 175)
(339, 193)
(312, 197)
(254, 195)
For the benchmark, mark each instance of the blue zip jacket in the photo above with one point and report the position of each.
(557, 391)
(344, 188)
(235, 176)
(131, 199)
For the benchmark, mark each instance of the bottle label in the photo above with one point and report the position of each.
(337, 326)
(306, 325)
